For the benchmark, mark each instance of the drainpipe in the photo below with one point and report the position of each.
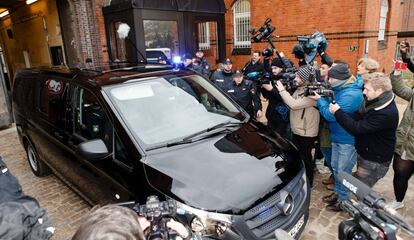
(5, 114)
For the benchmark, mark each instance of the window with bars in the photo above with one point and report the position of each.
(383, 20)
(204, 36)
(241, 23)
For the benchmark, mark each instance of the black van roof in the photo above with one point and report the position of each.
(107, 75)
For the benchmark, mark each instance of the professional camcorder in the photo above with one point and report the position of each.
(323, 89)
(264, 32)
(310, 45)
(371, 218)
(286, 78)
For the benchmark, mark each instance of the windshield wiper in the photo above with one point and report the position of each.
(220, 125)
(189, 139)
(170, 144)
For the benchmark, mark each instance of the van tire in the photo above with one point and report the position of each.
(38, 167)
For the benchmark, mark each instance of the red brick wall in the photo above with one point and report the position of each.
(347, 24)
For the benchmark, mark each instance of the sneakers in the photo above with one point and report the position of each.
(396, 205)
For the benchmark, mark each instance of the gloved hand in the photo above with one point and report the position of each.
(298, 51)
(322, 48)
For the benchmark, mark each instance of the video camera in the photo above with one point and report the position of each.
(323, 89)
(286, 78)
(264, 32)
(310, 44)
(371, 218)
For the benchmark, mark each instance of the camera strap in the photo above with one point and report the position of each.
(303, 113)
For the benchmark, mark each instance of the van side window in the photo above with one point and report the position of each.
(50, 101)
(121, 153)
(91, 121)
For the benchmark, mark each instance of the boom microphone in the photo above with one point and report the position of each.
(366, 195)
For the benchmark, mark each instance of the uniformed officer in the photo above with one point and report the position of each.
(205, 66)
(221, 78)
(245, 94)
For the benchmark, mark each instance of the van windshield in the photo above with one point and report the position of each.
(164, 109)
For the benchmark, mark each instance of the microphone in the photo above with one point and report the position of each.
(368, 196)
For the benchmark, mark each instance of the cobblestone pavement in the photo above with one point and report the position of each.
(66, 209)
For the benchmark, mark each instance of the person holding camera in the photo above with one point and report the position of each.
(222, 77)
(374, 126)
(121, 223)
(348, 95)
(403, 164)
(244, 93)
(277, 113)
(304, 117)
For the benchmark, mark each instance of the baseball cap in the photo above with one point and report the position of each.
(237, 73)
(227, 61)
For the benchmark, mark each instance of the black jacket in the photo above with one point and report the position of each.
(245, 95)
(409, 61)
(221, 78)
(374, 132)
(250, 67)
(20, 216)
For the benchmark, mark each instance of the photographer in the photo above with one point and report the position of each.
(348, 95)
(245, 94)
(403, 164)
(254, 65)
(374, 126)
(304, 117)
(277, 113)
(222, 77)
(115, 222)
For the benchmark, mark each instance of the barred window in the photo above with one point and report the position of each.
(204, 36)
(241, 15)
(383, 20)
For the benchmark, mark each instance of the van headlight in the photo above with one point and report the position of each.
(205, 223)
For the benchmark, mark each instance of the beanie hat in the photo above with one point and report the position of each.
(340, 72)
(277, 63)
(304, 73)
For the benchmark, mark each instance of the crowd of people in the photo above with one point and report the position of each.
(357, 126)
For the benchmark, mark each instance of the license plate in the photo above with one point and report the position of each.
(294, 231)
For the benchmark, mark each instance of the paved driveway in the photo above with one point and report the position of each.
(66, 209)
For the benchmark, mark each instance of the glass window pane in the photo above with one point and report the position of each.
(161, 37)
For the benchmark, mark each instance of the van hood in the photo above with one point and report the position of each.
(226, 173)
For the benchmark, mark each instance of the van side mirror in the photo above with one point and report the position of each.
(92, 150)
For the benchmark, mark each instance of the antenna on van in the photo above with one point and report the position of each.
(123, 32)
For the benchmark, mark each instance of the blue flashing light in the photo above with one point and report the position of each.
(177, 60)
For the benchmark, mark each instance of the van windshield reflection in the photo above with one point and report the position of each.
(171, 107)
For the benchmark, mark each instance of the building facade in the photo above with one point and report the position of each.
(75, 31)
(354, 28)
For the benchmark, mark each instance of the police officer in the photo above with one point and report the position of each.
(196, 66)
(244, 93)
(188, 61)
(205, 66)
(221, 78)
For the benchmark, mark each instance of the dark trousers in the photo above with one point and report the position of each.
(403, 170)
(305, 145)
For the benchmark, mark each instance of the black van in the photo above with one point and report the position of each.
(124, 134)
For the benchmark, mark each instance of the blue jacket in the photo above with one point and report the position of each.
(349, 97)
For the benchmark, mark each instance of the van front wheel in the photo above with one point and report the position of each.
(38, 167)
